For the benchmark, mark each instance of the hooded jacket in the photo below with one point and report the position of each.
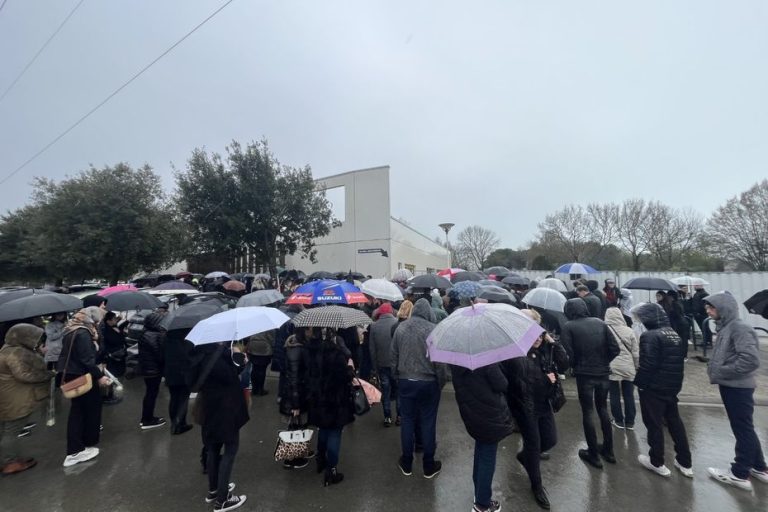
(589, 343)
(662, 353)
(296, 376)
(380, 340)
(624, 365)
(594, 305)
(409, 345)
(735, 356)
(24, 379)
(151, 346)
(54, 334)
(697, 305)
(480, 395)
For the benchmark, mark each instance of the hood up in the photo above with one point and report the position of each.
(726, 305)
(423, 309)
(614, 317)
(23, 335)
(652, 316)
(576, 308)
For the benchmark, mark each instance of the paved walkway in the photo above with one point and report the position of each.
(153, 471)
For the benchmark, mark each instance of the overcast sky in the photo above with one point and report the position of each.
(490, 113)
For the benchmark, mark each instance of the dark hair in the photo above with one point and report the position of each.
(109, 316)
(582, 288)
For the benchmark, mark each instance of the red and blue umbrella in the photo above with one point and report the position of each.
(327, 291)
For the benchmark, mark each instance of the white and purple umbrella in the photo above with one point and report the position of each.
(481, 335)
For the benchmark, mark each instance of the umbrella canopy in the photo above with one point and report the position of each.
(174, 285)
(327, 292)
(468, 276)
(516, 281)
(38, 305)
(182, 275)
(234, 286)
(263, 277)
(215, 275)
(116, 289)
(497, 271)
(260, 298)
(466, 290)
(758, 304)
(545, 298)
(321, 275)
(382, 289)
(553, 284)
(132, 300)
(448, 273)
(497, 294)
(188, 315)
(575, 268)
(337, 317)
(488, 282)
(356, 276)
(482, 335)
(292, 275)
(236, 324)
(430, 281)
(689, 281)
(23, 292)
(649, 283)
(402, 275)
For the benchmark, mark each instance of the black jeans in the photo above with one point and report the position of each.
(658, 410)
(84, 421)
(419, 401)
(152, 385)
(593, 395)
(259, 366)
(625, 389)
(539, 435)
(740, 407)
(178, 404)
(220, 467)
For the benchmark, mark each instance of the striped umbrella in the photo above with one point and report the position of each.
(337, 317)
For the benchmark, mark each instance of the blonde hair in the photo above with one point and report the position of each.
(406, 308)
(535, 316)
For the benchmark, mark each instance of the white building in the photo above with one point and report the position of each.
(369, 240)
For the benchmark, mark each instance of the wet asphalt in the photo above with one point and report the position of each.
(154, 471)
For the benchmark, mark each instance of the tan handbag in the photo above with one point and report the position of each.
(77, 386)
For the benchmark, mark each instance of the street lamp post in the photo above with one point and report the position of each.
(446, 226)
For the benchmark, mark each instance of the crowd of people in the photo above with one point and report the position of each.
(609, 345)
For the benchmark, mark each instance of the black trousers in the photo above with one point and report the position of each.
(220, 467)
(539, 435)
(658, 410)
(259, 365)
(152, 388)
(593, 395)
(740, 407)
(177, 406)
(84, 421)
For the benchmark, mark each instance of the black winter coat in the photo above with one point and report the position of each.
(529, 390)
(589, 343)
(697, 304)
(662, 353)
(296, 377)
(221, 397)
(480, 395)
(82, 359)
(178, 358)
(151, 346)
(594, 305)
(330, 386)
(283, 333)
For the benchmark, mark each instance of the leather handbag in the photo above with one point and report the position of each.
(558, 396)
(360, 400)
(77, 386)
(293, 443)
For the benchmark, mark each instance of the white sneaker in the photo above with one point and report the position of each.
(76, 458)
(725, 476)
(645, 461)
(760, 475)
(684, 470)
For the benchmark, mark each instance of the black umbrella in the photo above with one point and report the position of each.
(497, 294)
(499, 272)
(346, 275)
(174, 285)
(758, 304)
(468, 276)
(430, 281)
(38, 305)
(131, 301)
(19, 293)
(650, 283)
(320, 275)
(516, 281)
(188, 315)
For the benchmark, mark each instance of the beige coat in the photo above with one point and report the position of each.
(623, 366)
(24, 379)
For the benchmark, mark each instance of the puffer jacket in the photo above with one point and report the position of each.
(24, 379)
(151, 349)
(662, 353)
(735, 356)
(623, 367)
(480, 395)
(297, 376)
(589, 343)
(54, 335)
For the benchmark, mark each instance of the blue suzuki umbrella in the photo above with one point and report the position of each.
(327, 291)
(575, 268)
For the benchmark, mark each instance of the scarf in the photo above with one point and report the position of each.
(86, 318)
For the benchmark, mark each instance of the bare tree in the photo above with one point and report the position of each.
(670, 233)
(476, 244)
(570, 228)
(739, 228)
(632, 229)
(459, 257)
(603, 223)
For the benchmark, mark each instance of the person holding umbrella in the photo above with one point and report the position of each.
(151, 360)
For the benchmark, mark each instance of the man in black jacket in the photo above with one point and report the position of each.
(594, 289)
(659, 379)
(151, 359)
(593, 302)
(591, 348)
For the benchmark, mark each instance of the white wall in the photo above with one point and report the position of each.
(412, 249)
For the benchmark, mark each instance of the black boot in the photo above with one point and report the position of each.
(332, 476)
(540, 494)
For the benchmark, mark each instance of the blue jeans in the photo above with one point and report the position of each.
(329, 445)
(418, 399)
(625, 389)
(740, 407)
(385, 378)
(482, 472)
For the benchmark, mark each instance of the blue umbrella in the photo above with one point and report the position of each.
(466, 290)
(575, 268)
(327, 291)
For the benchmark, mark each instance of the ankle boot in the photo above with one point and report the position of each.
(332, 476)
